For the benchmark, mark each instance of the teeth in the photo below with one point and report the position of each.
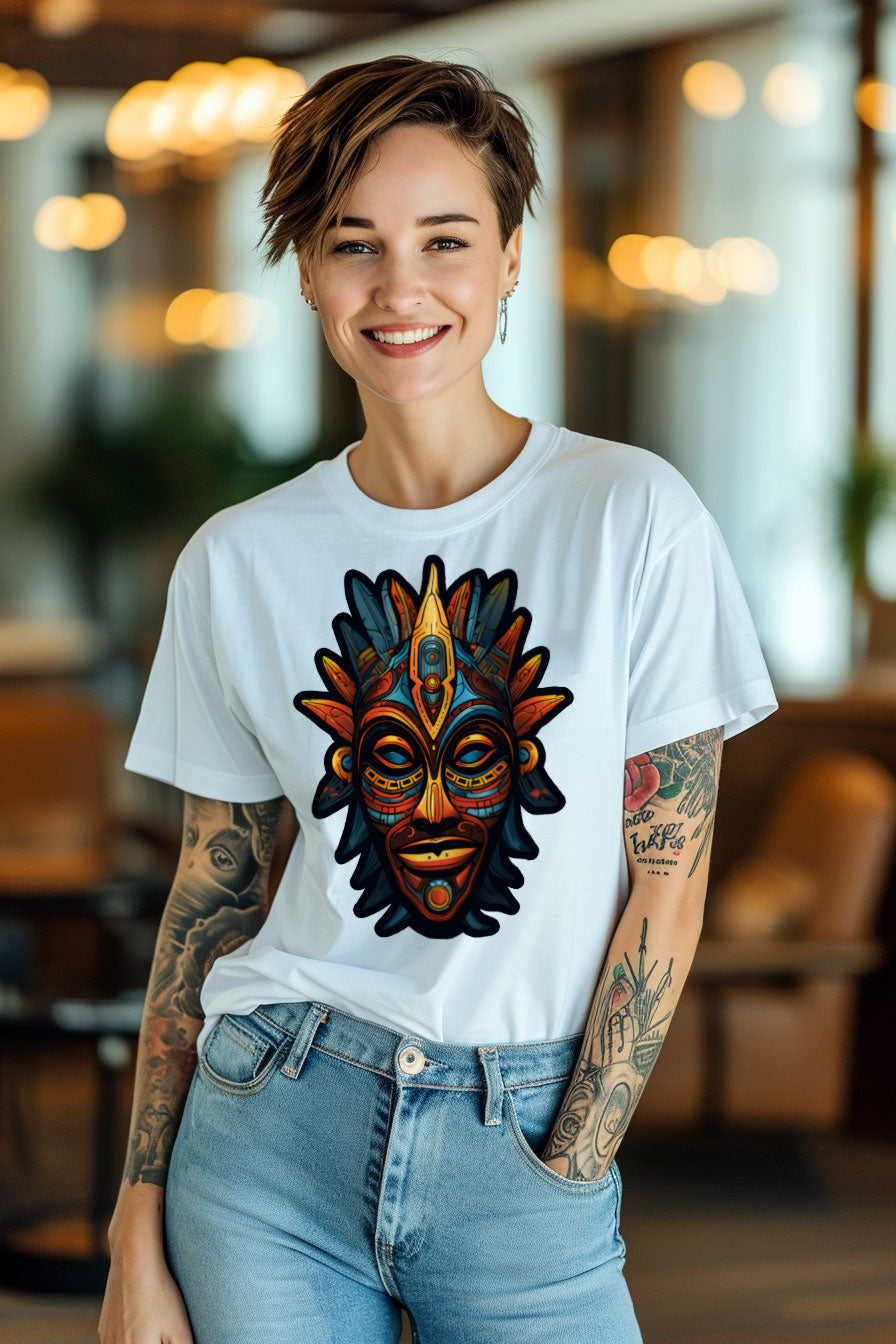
(405, 337)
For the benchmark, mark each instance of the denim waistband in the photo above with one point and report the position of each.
(451, 1064)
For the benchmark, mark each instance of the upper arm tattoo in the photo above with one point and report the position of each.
(670, 802)
(217, 901)
(218, 897)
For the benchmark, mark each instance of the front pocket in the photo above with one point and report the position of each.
(530, 1112)
(241, 1053)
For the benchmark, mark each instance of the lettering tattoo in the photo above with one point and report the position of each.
(622, 1040)
(686, 771)
(218, 901)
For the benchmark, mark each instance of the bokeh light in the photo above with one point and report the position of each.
(792, 94)
(24, 102)
(713, 89)
(750, 266)
(202, 108)
(875, 102)
(671, 265)
(624, 259)
(658, 259)
(91, 221)
(220, 320)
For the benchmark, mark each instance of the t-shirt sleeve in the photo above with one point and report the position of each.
(188, 732)
(694, 661)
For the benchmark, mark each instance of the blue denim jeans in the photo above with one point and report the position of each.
(328, 1170)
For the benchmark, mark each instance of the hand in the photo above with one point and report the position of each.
(560, 1165)
(591, 1121)
(142, 1302)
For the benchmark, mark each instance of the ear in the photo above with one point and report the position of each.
(512, 254)
(304, 273)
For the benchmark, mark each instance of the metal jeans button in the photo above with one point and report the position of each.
(411, 1060)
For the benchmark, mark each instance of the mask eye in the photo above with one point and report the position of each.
(474, 753)
(472, 756)
(393, 754)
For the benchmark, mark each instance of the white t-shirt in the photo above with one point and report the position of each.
(447, 697)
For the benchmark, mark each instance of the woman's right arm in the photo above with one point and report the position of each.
(218, 900)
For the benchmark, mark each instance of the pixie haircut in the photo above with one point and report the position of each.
(320, 143)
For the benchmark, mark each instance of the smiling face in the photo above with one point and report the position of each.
(395, 274)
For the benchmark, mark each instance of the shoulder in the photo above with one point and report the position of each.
(633, 487)
(237, 534)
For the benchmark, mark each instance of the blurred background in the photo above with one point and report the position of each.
(713, 277)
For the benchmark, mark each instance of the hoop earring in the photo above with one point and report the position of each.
(502, 327)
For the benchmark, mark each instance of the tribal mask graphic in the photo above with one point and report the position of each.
(434, 715)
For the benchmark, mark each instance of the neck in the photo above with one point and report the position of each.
(415, 457)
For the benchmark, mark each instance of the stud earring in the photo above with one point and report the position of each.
(308, 301)
(502, 328)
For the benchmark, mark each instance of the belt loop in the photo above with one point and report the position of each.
(494, 1084)
(317, 1013)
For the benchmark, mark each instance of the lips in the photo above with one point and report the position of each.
(405, 351)
(445, 854)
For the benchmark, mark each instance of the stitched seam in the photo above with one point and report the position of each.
(547, 1173)
(243, 1038)
(442, 531)
(270, 1021)
(442, 1087)
(256, 1084)
(499, 1045)
(693, 703)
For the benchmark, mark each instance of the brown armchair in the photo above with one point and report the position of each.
(763, 1031)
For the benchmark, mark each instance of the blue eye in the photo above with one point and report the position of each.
(343, 247)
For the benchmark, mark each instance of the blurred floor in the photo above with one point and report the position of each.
(751, 1240)
(761, 1240)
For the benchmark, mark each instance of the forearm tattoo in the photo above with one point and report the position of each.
(626, 1024)
(688, 771)
(625, 1030)
(217, 902)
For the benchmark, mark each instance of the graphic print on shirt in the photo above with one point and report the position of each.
(434, 715)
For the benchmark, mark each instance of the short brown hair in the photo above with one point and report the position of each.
(321, 140)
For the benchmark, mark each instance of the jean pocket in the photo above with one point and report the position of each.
(242, 1052)
(531, 1111)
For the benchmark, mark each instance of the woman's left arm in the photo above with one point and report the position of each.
(668, 818)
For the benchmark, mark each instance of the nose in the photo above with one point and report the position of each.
(432, 803)
(434, 806)
(398, 286)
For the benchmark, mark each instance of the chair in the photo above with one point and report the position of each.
(763, 1031)
(54, 790)
(64, 900)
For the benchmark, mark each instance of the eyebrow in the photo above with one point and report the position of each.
(427, 222)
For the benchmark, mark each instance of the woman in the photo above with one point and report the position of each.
(404, 1080)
